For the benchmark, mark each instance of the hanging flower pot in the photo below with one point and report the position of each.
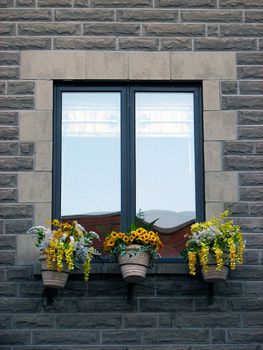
(134, 264)
(212, 274)
(65, 248)
(51, 277)
(135, 251)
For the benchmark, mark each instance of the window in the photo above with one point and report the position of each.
(126, 150)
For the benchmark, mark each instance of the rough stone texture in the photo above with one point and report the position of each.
(89, 40)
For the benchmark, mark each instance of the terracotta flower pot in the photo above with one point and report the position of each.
(212, 274)
(51, 277)
(134, 266)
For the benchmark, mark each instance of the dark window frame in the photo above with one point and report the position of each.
(128, 161)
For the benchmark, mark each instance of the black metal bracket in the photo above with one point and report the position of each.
(49, 293)
(211, 291)
(130, 292)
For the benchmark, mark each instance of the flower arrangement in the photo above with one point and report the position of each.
(218, 238)
(67, 243)
(116, 242)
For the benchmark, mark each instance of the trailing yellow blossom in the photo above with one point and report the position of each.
(219, 238)
(203, 256)
(192, 262)
(232, 253)
(68, 246)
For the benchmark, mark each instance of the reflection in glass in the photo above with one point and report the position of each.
(165, 173)
(91, 158)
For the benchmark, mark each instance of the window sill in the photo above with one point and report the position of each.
(174, 267)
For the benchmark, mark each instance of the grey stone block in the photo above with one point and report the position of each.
(103, 305)
(253, 289)
(252, 257)
(8, 148)
(228, 289)
(7, 290)
(256, 209)
(218, 336)
(254, 319)
(186, 3)
(20, 273)
(253, 17)
(26, 148)
(18, 226)
(7, 242)
(250, 118)
(8, 180)
(9, 72)
(43, 337)
(251, 179)
(242, 163)
(118, 3)
(224, 44)
(16, 164)
(208, 16)
(55, 29)
(25, 43)
(250, 132)
(250, 224)
(200, 320)
(25, 3)
(250, 58)
(25, 15)
(254, 241)
(34, 321)
(54, 3)
(175, 336)
(31, 289)
(15, 211)
(21, 88)
(241, 102)
(247, 273)
(251, 87)
(121, 337)
(7, 257)
(16, 102)
(21, 305)
(259, 148)
(229, 87)
(93, 321)
(176, 44)
(5, 322)
(9, 133)
(212, 30)
(167, 30)
(250, 72)
(140, 320)
(147, 15)
(241, 4)
(145, 44)
(238, 209)
(85, 43)
(236, 30)
(14, 337)
(2, 88)
(245, 336)
(7, 29)
(163, 304)
(86, 15)
(204, 305)
(238, 148)
(6, 3)
(8, 118)
(111, 29)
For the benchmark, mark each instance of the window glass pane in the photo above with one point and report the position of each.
(91, 159)
(165, 171)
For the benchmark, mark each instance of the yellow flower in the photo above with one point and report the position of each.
(192, 262)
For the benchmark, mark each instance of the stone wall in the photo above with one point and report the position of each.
(169, 311)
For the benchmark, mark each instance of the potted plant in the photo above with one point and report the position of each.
(63, 249)
(135, 251)
(216, 245)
